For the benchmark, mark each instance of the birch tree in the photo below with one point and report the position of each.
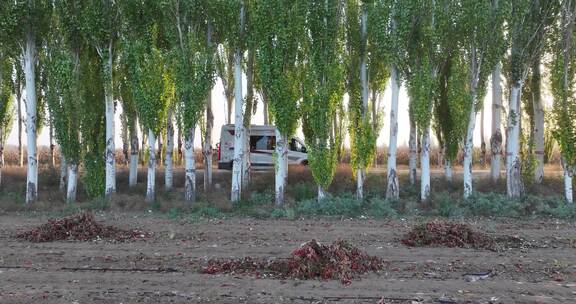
(194, 71)
(237, 39)
(361, 130)
(323, 84)
(562, 71)
(527, 26)
(279, 26)
(101, 25)
(483, 47)
(23, 26)
(150, 75)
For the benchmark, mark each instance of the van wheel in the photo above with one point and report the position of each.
(304, 163)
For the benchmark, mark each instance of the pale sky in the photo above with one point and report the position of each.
(219, 107)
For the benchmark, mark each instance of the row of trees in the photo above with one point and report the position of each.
(159, 59)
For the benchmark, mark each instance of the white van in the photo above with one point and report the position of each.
(262, 146)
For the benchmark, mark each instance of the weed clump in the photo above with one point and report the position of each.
(312, 260)
(79, 227)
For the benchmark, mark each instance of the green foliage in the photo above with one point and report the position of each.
(362, 133)
(345, 205)
(323, 87)
(562, 69)
(381, 208)
(94, 178)
(92, 128)
(452, 105)
(279, 27)
(63, 85)
(6, 98)
(152, 88)
(303, 191)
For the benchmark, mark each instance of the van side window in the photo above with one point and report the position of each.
(262, 143)
(295, 145)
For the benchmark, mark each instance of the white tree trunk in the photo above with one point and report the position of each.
(30, 74)
(360, 175)
(246, 157)
(513, 175)
(468, 147)
(361, 172)
(568, 174)
(236, 193)
(63, 172)
(72, 182)
(321, 193)
(207, 150)
(496, 137)
(392, 190)
(281, 167)
(448, 170)
(425, 166)
(413, 159)
(151, 182)
(539, 139)
(169, 164)
(20, 146)
(134, 150)
(110, 144)
(190, 166)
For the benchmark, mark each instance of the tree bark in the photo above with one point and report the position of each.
(246, 166)
(425, 166)
(110, 130)
(469, 146)
(63, 173)
(514, 185)
(134, 151)
(207, 151)
(281, 167)
(125, 140)
(538, 135)
(496, 137)
(448, 170)
(361, 171)
(190, 166)
(169, 165)
(413, 158)
(151, 182)
(19, 100)
(568, 174)
(72, 182)
(236, 191)
(392, 190)
(30, 74)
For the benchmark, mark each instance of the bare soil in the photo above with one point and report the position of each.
(166, 268)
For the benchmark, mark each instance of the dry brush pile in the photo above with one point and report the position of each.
(80, 227)
(453, 234)
(312, 260)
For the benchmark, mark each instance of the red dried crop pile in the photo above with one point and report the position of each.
(448, 234)
(337, 261)
(80, 227)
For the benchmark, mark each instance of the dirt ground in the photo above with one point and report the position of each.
(166, 267)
